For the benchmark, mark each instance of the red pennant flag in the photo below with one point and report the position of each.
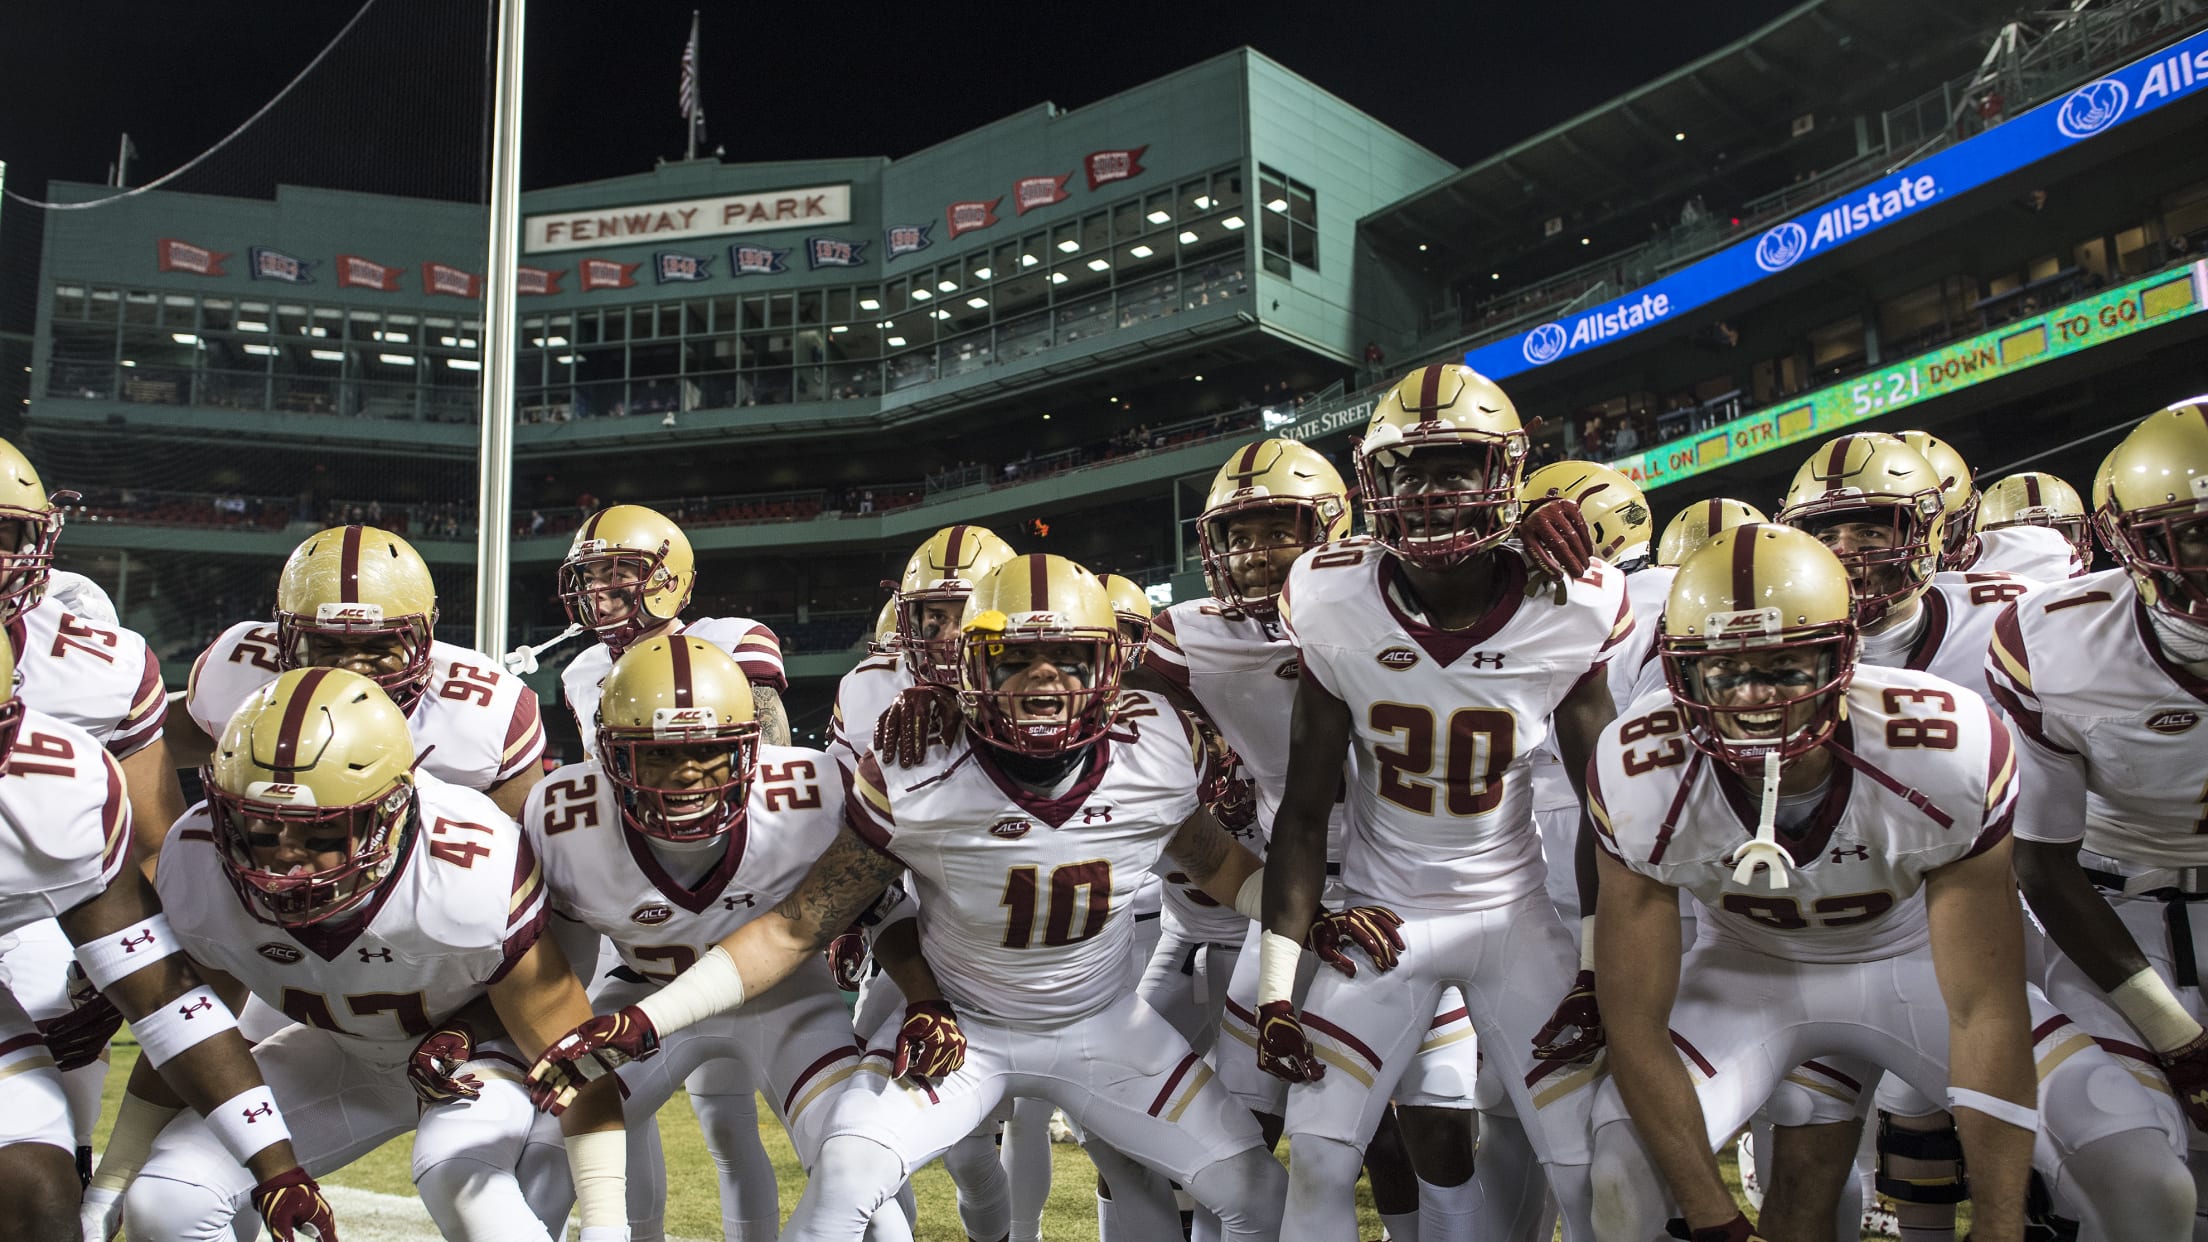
(362, 273)
(608, 274)
(183, 256)
(968, 216)
(1109, 166)
(538, 280)
(1028, 193)
(438, 278)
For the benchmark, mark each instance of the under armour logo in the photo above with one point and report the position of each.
(187, 1012)
(257, 1112)
(1840, 854)
(130, 943)
(1481, 659)
(1092, 814)
(746, 900)
(373, 955)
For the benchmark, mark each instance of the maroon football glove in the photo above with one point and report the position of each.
(929, 1044)
(434, 1067)
(2187, 1069)
(1282, 1048)
(1556, 538)
(919, 717)
(1738, 1229)
(847, 959)
(1576, 1015)
(592, 1050)
(294, 1209)
(1371, 928)
(78, 1037)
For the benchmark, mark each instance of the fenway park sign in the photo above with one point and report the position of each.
(802, 207)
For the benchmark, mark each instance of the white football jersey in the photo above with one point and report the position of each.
(457, 911)
(1444, 721)
(1959, 613)
(1851, 895)
(861, 697)
(475, 724)
(757, 651)
(102, 678)
(1025, 899)
(2039, 553)
(64, 821)
(1649, 587)
(609, 878)
(2081, 673)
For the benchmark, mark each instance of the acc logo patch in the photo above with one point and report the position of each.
(653, 915)
(1010, 829)
(2173, 722)
(1397, 658)
(1289, 670)
(280, 953)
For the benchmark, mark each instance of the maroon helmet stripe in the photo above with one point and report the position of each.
(678, 651)
(295, 718)
(2031, 490)
(348, 566)
(1744, 570)
(1834, 467)
(951, 548)
(1038, 583)
(590, 525)
(1716, 521)
(1429, 391)
(1248, 464)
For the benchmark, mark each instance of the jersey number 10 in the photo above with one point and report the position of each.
(1067, 898)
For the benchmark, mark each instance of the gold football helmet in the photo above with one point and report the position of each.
(629, 570)
(2104, 480)
(1030, 612)
(884, 640)
(1132, 606)
(2035, 498)
(1614, 506)
(679, 737)
(2157, 507)
(1755, 589)
(1958, 495)
(1698, 523)
(318, 761)
(1871, 477)
(33, 523)
(941, 571)
(1267, 478)
(1442, 407)
(346, 587)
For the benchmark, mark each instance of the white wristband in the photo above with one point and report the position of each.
(709, 987)
(120, 954)
(1277, 959)
(174, 1027)
(247, 1123)
(2157, 1013)
(597, 1163)
(1249, 900)
(2022, 1116)
(1587, 942)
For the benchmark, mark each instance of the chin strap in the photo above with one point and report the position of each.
(523, 660)
(1765, 850)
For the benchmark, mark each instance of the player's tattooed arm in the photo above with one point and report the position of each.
(1213, 859)
(774, 720)
(844, 881)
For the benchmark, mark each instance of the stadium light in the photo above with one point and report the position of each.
(1057, 278)
(839, 329)
(327, 355)
(869, 304)
(977, 303)
(265, 351)
(251, 325)
(921, 295)
(1141, 252)
(1159, 217)
(1203, 202)
(1188, 237)
(1070, 246)
(983, 273)
(463, 364)
(1028, 260)
(896, 342)
(397, 360)
(1277, 206)
(1099, 265)
(1231, 223)
(946, 285)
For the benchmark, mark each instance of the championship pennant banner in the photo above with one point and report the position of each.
(904, 239)
(183, 256)
(358, 273)
(270, 264)
(446, 281)
(1028, 193)
(974, 214)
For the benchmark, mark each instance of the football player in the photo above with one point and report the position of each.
(2017, 509)
(1430, 657)
(2103, 677)
(1132, 606)
(686, 828)
(1805, 800)
(106, 680)
(1227, 658)
(627, 577)
(361, 599)
(1026, 833)
(1959, 549)
(65, 846)
(1699, 523)
(374, 907)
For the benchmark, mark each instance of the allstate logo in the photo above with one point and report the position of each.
(1779, 248)
(1544, 343)
(2092, 108)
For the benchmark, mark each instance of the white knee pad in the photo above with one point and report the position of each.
(853, 1177)
(477, 1202)
(1629, 1196)
(1248, 1190)
(160, 1209)
(2127, 1185)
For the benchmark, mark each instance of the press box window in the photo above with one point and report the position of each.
(1288, 215)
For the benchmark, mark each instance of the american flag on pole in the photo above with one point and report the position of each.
(689, 92)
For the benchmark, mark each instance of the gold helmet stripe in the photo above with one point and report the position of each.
(678, 658)
(348, 566)
(1038, 584)
(295, 719)
(1744, 572)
